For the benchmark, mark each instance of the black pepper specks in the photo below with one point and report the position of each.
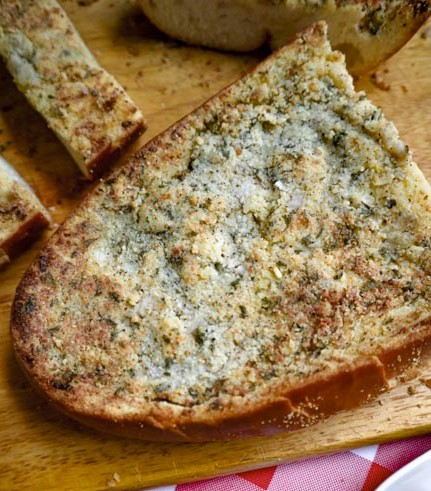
(30, 305)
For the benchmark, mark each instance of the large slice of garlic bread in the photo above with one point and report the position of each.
(22, 215)
(83, 104)
(257, 267)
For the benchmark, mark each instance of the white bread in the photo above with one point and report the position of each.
(22, 215)
(367, 31)
(258, 266)
(84, 105)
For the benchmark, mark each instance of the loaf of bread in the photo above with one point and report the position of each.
(84, 105)
(259, 266)
(22, 215)
(367, 31)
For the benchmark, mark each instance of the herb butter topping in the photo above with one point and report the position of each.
(275, 233)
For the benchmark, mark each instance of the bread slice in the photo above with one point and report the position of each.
(22, 215)
(260, 265)
(84, 105)
(367, 31)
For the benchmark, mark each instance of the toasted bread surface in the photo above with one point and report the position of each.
(82, 103)
(22, 215)
(257, 267)
(367, 31)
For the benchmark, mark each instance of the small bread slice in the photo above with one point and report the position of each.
(84, 105)
(22, 215)
(367, 31)
(260, 265)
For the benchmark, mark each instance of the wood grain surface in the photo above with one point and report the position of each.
(41, 449)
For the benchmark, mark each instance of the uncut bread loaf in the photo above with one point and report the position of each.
(260, 265)
(82, 103)
(367, 31)
(22, 215)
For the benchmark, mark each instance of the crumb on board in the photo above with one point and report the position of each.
(379, 82)
(112, 482)
(53, 226)
(411, 390)
(410, 374)
(404, 88)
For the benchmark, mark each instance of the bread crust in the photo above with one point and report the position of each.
(274, 408)
(306, 406)
(367, 31)
(84, 105)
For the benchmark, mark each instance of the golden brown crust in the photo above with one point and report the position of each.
(278, 404)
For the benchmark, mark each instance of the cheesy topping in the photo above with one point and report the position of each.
(277, 233)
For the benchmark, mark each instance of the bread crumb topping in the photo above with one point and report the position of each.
(276, 234)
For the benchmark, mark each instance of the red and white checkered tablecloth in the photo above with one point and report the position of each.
(362, 469)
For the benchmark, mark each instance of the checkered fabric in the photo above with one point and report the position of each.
(362, 469)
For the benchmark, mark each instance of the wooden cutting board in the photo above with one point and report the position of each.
(42, 450)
